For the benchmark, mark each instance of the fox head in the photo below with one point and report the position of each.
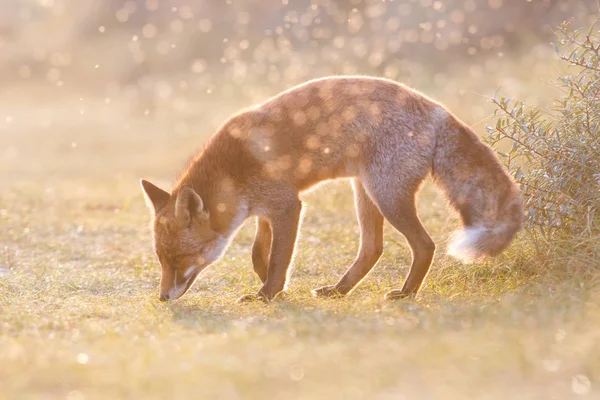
(184, 242)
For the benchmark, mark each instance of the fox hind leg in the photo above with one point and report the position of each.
(371, 245)
(397, 204)
(422, 248)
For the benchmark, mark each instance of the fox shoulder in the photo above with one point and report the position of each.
(243, 123)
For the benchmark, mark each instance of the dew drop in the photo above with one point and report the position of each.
(83, 358)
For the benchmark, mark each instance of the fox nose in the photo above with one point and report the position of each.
(163, 297)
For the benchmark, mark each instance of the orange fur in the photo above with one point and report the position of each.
(383, 135)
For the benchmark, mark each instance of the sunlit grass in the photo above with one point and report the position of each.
(80, 314)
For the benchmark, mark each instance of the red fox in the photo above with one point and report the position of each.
(381, 134)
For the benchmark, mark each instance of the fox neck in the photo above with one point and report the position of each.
(213, 176)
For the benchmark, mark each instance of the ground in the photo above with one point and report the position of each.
(80, 316)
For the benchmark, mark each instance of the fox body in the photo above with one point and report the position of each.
(381, 134)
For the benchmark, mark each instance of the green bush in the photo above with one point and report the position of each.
(555, 154)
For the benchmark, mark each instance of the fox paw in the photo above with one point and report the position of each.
(247, 298)
(327, 291)
(397, 294)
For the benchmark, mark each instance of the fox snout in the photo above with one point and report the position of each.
(174, 284)
(168, 296)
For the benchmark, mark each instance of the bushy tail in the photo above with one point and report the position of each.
(480, 189)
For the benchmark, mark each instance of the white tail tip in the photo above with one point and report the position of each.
(465, 243)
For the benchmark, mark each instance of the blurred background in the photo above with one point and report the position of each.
(127, 88)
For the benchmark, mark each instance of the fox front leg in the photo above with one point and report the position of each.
(284, 226)
(261, 248)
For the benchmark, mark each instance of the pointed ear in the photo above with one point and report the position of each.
(156, 198)
(189, 205)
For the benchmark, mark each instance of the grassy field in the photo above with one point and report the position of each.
(80, 316)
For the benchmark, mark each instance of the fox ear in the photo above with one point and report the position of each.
(156, 198)
(189, 205)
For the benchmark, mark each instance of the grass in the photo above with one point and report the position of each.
(80, 316)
